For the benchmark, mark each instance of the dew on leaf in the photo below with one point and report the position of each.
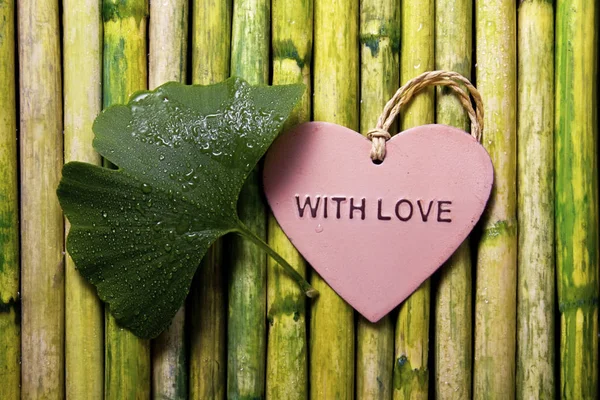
(182, 226)
(194, 126)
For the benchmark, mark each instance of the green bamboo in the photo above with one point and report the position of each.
(84, 319)
(535, 305)
(10, 339)
(374, 358)
(167, 62)
(576, 177)
(453, 327)
(495, 294)
(411, 372)
(453, 298)
(208, 343)
(246, 341)
(169, 361)
(210, 41)
(42, 228)
(287, 368)
(336, 90)
(379, 47)
(127, 369)
(208, 360)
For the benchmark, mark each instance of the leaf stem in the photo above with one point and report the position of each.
(304, 285)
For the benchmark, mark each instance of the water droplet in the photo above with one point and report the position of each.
(319, 228)
(168, 247)
(146, 188)
(182, 227)
(161, 157)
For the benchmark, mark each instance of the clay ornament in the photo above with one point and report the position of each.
(375, 232)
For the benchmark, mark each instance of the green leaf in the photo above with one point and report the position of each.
(138, 233)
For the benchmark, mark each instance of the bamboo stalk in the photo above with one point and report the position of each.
(495, 297)
(169, 361)
(84, 319)
(375, 359)
(411, 372)
(42, 229)
(287, 368)
(10, 339)
(246, 345)
(336, 89)
(453, 298)
(208, 338)
(286, 311)
(577, 196)
(453, 327)
(210, 64)
(168, 32)
(210, 44)
(167, 62)
(127, 369)
(535, 305)
(380, 45)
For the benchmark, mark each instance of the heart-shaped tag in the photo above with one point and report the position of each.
(375, 232)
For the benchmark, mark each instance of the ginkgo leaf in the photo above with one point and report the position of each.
(138, 232)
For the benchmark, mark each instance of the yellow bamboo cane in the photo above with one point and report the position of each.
(127, 357)
(211, 38)
(286, 305)
(167, 62)
(10, 339)
(411, 371)
(42, 228)
(380, 45)
(495, 297)
(336, 89)
(246, 330)
(453, 293)
(536, 284)
(84, 320)
(576, 124)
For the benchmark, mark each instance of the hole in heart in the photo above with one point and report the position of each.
(377, 162)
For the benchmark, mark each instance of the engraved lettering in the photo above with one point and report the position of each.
(338, 200)
(307, 202)
(404, 210)
(380, 216)
(443, 210)
(362, 207)
(410, 208)
(424, 216)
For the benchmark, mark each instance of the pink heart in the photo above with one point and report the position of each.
(376, 232)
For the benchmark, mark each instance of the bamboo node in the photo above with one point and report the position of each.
(380, 134)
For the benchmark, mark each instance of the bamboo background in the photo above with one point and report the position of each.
(513, 313)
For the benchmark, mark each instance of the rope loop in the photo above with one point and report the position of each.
(380, 134)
